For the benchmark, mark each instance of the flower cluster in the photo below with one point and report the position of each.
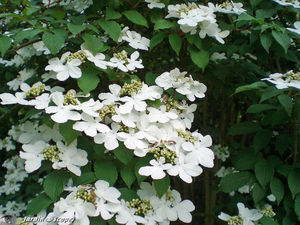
(102, 200)
(293, 3)
(228, 7)
(281, 81)
(194, 18)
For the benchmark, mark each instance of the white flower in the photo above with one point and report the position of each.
(62, 113)
(191, 19)
(103, 190)
(293, 3)
(133, 140)
(128, 119)
(156, 170)
(134, 39)
(33, 155)
(172, 208)
(24, 75)
(246, 216)
(155, 4)
(135, 101)
(29, 133)
(281, 81)
(297, 26)
(126, 216)
(98, 59)
(90, 126)
(90, 107)
(228, 7)
(212, 30)
(111, 98)
(271, 198)
(65, 68)
(109, 138)
(41, 48)
(161, 115)
(185, 169)
(133, 62)
(71, 157)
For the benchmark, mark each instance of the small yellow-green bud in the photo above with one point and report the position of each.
(141, 206)
(187, 136)
(132, 88)
(293, 76)
(35, 91)
(77, 55)
(163, 151)
(268, 212)
(235, 220)
(107, 110)
(70, 98)
(51, 153)
(87, 194)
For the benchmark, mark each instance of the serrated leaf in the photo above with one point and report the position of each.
(85, 178)
(88, 81)
(277, 189)
(269, 93)
(75, 29)
(200, 58)
(297, 206)
(128, 194)
(128, 176)
(257, 108)
(93, 43)
(26, 34)
(244, 128)
(248, 87)
(112, 28)
(234, 181)
(294, 182)
(37, 204)
(268, 221)
(123, 154)
(111, 14)
(162, 24)
(55, 41)
(258, 193)
(175, 42)
(261, 139)
(162, 185)
(135, 17)
(106, 170)
(282, 38)
(286, 102)
(54, 183)
(66, 130)
(266, 41)
(5, 43)
(263, 172)
(157, 39)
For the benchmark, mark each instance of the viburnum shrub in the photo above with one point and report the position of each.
(146, 112)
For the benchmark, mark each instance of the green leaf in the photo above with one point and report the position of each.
(54, 183)
(233, 181)
(258, 108)
(150, 78)
(268, 221)
(111, 14)
(263, 172)
(282, 38)
(266, 41)
(265, 13)
(258, 193)
(112, 28)
(262, 139)
(37, 204)
(93, 43)
(248, 87)
(157, 39)
(200, 58)
(135, 17)
(29, 114)
(106, 170)
(57, 13)
(297, 206)
(5, 43)
(128, 175)
(88, 81)
(244, 17)
(26, 34)
(85, 178)
(128, 194)
(66, 130)
(244, 128)
(294, 182)
(277, 189)
(123, 154)
(54, 42)
(162, 185)
(286, 102)
(163, 24)
(175, 42)
(269, 93)
(244, 160)
(75, 29)
(297, 107)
